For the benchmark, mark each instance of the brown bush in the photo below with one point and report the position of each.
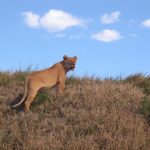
(91, 114)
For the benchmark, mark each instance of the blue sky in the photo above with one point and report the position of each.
(110, 37)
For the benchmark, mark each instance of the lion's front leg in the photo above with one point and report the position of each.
(60, 88)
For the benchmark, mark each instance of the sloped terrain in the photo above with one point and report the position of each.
(92, 114)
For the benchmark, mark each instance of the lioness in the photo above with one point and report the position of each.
(55, 75)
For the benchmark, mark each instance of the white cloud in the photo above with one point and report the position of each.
(31, 19)
(146, 23)
(53, 21)
(107, 35)
(110, 18)
(58, 20)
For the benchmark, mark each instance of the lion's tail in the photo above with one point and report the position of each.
(24, 96)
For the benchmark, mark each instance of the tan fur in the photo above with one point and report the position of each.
(55, 75)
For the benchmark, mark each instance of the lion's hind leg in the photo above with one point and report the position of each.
(30, 97)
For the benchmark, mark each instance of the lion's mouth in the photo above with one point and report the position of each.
(72, 67)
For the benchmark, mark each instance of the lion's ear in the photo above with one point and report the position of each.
(65, 57)
(75, 57)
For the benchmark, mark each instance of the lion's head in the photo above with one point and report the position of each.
(69, 62)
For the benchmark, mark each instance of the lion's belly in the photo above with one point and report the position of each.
(48, 80)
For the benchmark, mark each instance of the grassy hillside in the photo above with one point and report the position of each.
(92, 114)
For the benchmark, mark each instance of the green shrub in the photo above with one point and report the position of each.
(141, 81)
(146, 106)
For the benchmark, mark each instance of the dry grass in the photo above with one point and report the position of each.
(92, 114)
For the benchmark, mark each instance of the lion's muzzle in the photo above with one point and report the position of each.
(72, 67)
